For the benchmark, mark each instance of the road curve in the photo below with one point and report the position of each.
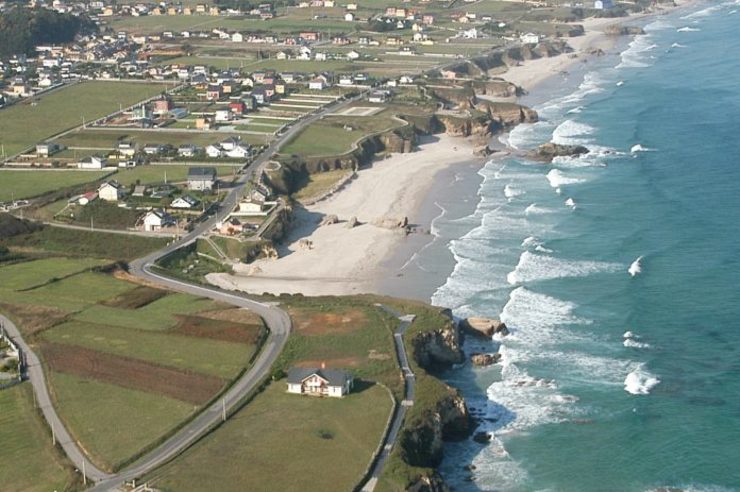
(276, 319)
(35, 374)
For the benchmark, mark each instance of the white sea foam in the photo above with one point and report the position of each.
(678, 45)
(658, 25)
(557, 179)
(512, 191)
(533, 267)
(567, 132)
(702, 13)
(639, 148)
(640, 381)
(534, 209)
(631, 340)
(632, 343)
(620, 83)
(571, 203)
(575, 110)
(635, 268)
(636, 55)
(688, 29)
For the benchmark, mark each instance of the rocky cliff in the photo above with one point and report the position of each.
(446, 418)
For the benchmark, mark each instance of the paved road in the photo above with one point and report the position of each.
(276, 319)
(35, 374)
(408, 400)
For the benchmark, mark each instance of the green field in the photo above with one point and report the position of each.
(159, 315)
(23, 125)
(319, 183)
(28, 184)
(286, 442)
(114, 423)
(30, 274)
(181, 352)
(159, 23)
(337, 135)
(28, 462)
(219, 62)
(84, 243)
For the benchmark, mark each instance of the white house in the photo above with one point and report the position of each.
(239, 152)
(92, 162)
(349, 17)
(111, 191)
(334, 383)
(185, 201)
(237, 37)
(214, 151)
(529, 38)
(352, 55)
(252, 205)
(157, 219)
(320, 57)
(187, 150)
(223, 115)
(230, 143)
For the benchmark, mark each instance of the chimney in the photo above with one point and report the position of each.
(323, 365)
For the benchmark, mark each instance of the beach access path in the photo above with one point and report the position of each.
(399, 415)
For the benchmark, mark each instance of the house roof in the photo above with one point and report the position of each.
(201, 172)
(112, 184)
(335, 377)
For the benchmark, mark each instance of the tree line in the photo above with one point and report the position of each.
(22, 29)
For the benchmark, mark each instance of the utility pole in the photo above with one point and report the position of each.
(223, 409)
(84, 476)
(53, 436)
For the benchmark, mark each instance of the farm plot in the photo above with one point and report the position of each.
(23, 125)
(28, 184)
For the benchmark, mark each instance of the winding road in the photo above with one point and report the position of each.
(276, 319)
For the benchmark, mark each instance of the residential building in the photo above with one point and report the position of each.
(185, 202)
(201, 178)
(157, 219)
(111, 191)
(334, 383)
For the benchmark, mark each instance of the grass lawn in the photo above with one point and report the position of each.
(156, 174)
(28, 462)
(286, 442)
(320, 139)
(213, 357)
(30, 274)
(28, 184)
(23, 125)
(219, 62)
(89, 286)
(84, 243)
(319, 183)
(330, 136)
(114, 423)
(342, 332)
(159, 315)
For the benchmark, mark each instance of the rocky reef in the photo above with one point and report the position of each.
(483, 327)
(547, 152)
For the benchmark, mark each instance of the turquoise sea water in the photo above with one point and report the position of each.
(618, 274)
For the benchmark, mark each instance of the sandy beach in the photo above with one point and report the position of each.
(337, 260)
(344, 260)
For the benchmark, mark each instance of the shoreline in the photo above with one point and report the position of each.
(332, 259)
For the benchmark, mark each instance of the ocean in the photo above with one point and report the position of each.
(618, 274)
